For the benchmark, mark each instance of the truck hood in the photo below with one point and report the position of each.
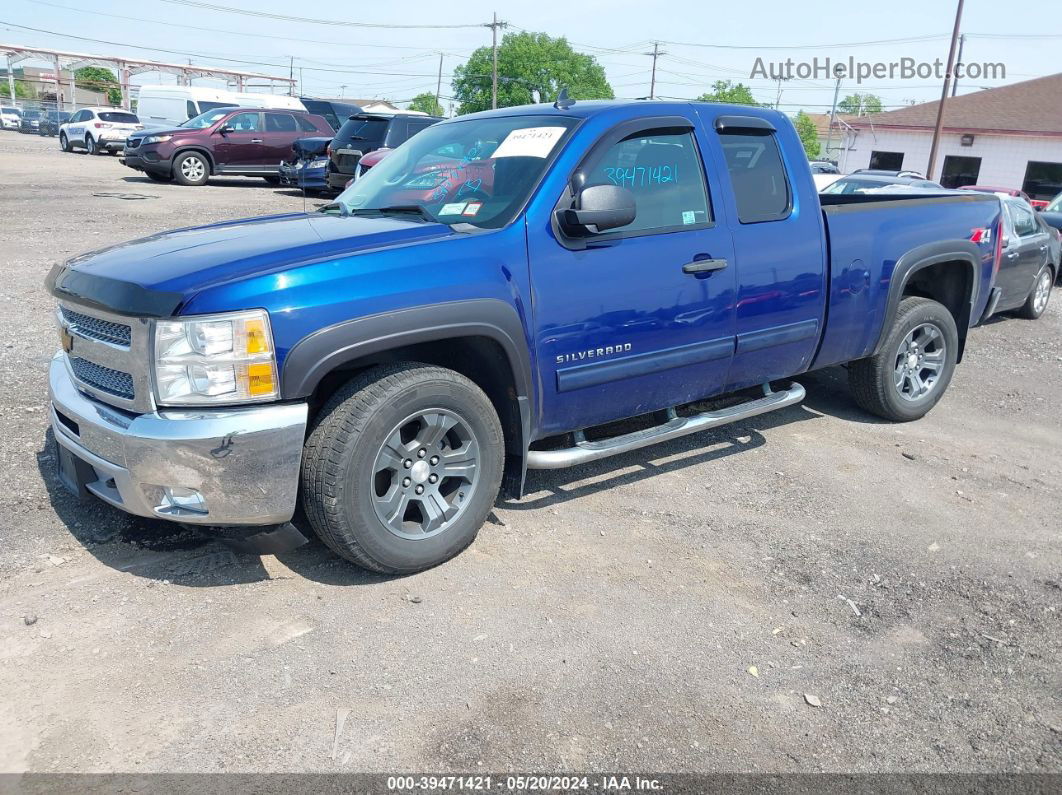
(155, 275)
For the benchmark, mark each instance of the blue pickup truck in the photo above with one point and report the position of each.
(482, 302)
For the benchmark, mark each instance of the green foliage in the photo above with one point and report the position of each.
(426, 103)
(860, 104)
(22, 91)
(728, 91)
(96, 78)
(809, 136)
(526, 62)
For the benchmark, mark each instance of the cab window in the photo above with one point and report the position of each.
(663, 170)
(761, 188)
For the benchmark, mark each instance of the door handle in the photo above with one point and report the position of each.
(256, 140)
(704, 266)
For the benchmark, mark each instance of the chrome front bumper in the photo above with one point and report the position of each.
(243, 462)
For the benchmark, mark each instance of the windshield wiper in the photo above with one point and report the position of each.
(397, 209)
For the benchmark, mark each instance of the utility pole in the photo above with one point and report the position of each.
(958, 63)
(494, 70)
(944, 93)
(438, 85)
(291, 75)
(652, 80)
(833, 113)
(778, 97)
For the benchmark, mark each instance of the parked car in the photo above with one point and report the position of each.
(823, 167)
(1000, 192)
(247, 142)
(98, 130)
(166, 106)
(366, 132)
(51, 122)
(30, 121)
(1052, 212)
(884, 172)
(389, 366)
(1029, 263)
(370, 160)
(861, 182)
(305, 168)
(10, 117)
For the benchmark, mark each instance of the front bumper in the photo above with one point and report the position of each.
(306, 178)
(243, 462)
(146, 161)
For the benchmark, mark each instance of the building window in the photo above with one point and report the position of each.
(886, 161)
(960, 171)
(1043, 180)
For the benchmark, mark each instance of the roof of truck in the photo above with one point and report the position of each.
(585, 108)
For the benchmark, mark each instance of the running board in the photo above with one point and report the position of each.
(583, 452)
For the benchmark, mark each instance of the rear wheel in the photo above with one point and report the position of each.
(914, 366)
(64, 143)
(402, 467)
(1036, 303)
(191, 168)
(90, 145)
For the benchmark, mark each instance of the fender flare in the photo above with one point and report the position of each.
(926, 256)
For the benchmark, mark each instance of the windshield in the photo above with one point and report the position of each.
(479, 171)
(1055, 205)
(204, 120)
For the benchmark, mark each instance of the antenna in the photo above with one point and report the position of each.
(563, 100)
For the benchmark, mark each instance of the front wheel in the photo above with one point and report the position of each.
(402, 467)
(191, 168)
(1036, 303)
(64, 143)
(913, 366)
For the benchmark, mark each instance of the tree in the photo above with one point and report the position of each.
(426, 103)
(96, 78)
(728, 91)
(528, 62)
(809, 135)
(860, 104)
(22, 91)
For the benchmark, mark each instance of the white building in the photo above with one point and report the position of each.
(1006, 137)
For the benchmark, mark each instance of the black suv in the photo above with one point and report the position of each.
(366, 132)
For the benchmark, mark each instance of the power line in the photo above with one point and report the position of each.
(314, 21)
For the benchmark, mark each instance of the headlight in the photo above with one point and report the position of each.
(215, 359)
(432, 179)
(156, 139)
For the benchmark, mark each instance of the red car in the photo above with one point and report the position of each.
(443, 180)
(247, 142)
(1036, 203)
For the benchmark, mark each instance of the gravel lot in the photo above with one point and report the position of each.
(908, 577)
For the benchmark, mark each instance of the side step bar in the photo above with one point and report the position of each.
(583, 452)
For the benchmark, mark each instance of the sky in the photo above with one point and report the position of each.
(702, 41)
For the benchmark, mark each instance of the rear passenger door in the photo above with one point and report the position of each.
(779, 250)
(281, 130)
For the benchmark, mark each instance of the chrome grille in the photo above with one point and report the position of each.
(98, 329)
(113, 382)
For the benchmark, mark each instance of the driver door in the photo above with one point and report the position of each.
(243, 144)
(638, 318)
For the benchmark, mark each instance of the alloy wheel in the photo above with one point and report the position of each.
(193, 168)
(425, 473)
(919, 361)
(1042, 291)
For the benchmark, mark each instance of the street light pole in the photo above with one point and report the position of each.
(944, 93)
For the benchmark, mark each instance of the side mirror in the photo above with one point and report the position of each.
(1005, 242)
(225, 129)
(597, 209)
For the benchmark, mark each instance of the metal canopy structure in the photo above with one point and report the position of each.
(126, 68)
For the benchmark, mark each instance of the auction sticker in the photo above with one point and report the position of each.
(452, 209)
(529, 142)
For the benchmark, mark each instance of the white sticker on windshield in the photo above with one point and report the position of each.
(529, 142)
(689, 217)
(452, 209)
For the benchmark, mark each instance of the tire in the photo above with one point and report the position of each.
(1036, 304)
(925, 330)
(191, 168)
(64, 143)
(158, 177)
(348, 472)
(90, 145)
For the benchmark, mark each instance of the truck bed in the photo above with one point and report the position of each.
(869, 235)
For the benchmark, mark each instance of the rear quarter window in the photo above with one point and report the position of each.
(758, 176)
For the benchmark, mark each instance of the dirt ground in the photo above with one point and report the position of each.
(906, 578)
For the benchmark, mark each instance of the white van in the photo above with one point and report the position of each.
(168, 106)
